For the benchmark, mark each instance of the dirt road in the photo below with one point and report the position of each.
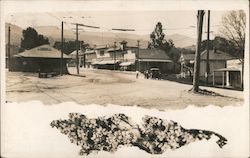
(104, 86)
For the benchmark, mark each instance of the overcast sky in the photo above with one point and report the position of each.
(181, 22)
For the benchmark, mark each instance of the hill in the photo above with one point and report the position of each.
(15, 34)
(96, 38)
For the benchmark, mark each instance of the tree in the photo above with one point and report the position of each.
(157, 36)
(157, 40)
(234, 25)
(32, 39)
(70, 46)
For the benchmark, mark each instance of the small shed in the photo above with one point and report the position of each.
(43, 58)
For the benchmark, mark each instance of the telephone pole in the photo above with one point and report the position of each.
(84, 57)
(77, 55)
(114, 54)
(208, 32)
(9, 48)
(61, 62)
(138, 55)
(77, 42)
(197, 53)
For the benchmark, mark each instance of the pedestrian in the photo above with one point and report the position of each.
(145, 74)
(137, 74)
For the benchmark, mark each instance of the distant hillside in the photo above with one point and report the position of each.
(15, 34)
(93, 38)
(181, 40)
(96, 38)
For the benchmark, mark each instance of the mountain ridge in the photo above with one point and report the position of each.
(96, 38)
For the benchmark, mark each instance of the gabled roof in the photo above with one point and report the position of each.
(216, 55)
(213, 55)
(153, 54)
(43, 51)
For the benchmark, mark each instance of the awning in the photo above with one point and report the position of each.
(127, 63)
(95, 62)
(104, 62)
(227, 69)
(156, 60)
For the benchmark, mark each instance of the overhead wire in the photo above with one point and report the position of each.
(122, 29)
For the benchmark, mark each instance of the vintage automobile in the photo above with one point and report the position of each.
(155, 73)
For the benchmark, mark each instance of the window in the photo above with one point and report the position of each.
(102, 52)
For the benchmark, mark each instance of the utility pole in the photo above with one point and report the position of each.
(208, 32)
(61, 62)
(197, 53)
(114, 54)
(9, 48)
(138, 55)
(77, 55)
(77, 42)
(84, 56)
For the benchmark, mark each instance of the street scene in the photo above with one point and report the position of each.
(124, 66)
(115, 87)
(108, 83)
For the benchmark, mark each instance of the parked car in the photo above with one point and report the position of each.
(155, 73)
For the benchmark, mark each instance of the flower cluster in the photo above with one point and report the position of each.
(155, 136)
(97, 134)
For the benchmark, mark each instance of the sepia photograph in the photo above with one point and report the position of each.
(124, 78)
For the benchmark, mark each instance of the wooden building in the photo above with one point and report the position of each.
(217, 60)
(43, 58)
(154, 58)
(231, 77)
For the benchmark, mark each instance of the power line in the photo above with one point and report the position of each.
(59, 19)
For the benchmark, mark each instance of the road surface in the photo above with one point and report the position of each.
(104, 87)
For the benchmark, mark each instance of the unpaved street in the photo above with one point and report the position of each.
(104, 86)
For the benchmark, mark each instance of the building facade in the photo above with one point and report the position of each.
(41, 59)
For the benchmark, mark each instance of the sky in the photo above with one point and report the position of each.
(174, 22)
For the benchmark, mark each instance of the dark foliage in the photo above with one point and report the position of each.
(157, 40)
(70, 46)
(32, 39)
(224, 45)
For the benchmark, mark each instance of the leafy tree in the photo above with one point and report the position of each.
(174, 53)
(157, 40)
(70, 46)
(32, 39)
(221, 43)
(157, 36)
